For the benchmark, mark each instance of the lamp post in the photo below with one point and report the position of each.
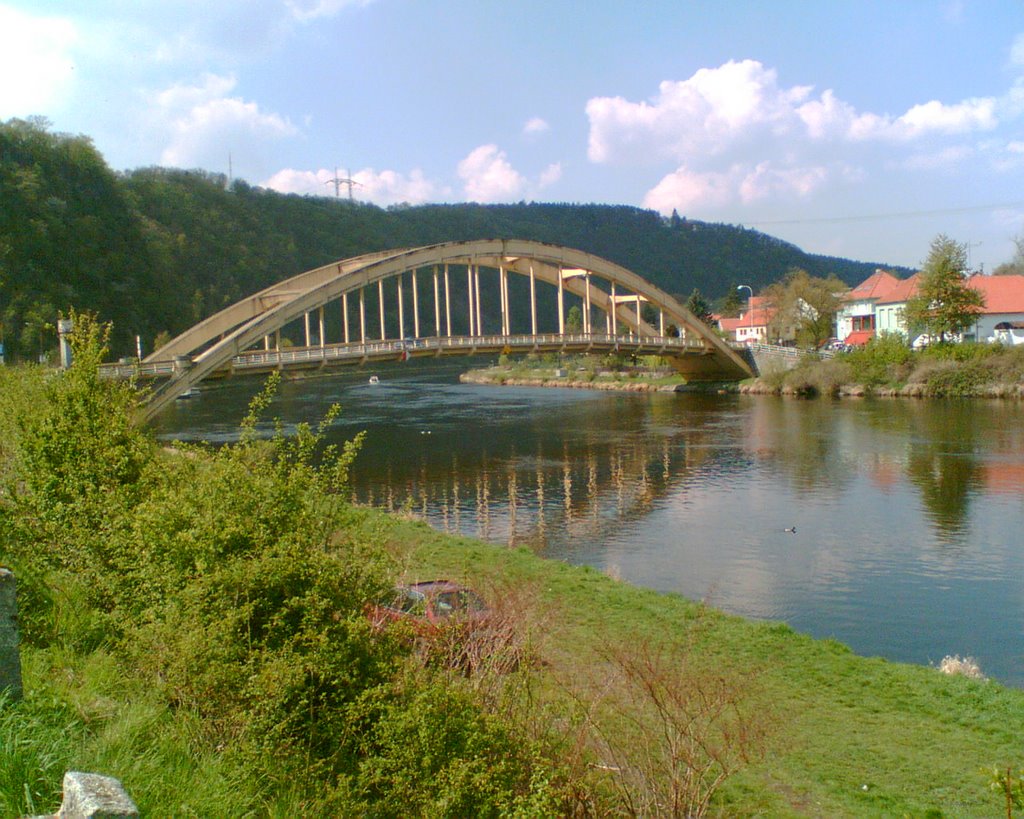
(749, 300)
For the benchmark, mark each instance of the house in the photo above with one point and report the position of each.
(857, 320)
(751, 326)
(1004, 304)
(877, 305)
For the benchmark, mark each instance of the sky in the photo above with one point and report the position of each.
(852, 128)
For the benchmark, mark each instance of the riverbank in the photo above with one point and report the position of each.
(847, 735)
(612, 381)
(886, 367)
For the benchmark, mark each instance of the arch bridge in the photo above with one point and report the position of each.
(456, 298)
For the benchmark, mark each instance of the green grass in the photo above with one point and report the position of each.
(849, 736)
(852, 736)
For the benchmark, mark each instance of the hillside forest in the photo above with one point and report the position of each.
(154, 250)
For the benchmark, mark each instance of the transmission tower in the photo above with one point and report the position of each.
(338, 182)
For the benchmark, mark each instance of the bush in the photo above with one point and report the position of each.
(878, 362)
(428, 750)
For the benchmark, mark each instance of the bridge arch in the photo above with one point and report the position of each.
(598, 285)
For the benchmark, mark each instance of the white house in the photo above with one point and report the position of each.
(877, 305)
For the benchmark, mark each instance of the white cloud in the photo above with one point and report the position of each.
(392, 188)
(766, 181)
(487, 176)
(550, 175)
(934, 116)
(535, 126)
(35, 62)
(686, 190)
(204, 124)
(704, 115)
(380, 188)
(1017, 51)
(306, 10)
(740, 105)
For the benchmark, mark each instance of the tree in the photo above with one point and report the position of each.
(698, 305)
(574, 320)
(731, 304)
(1014, 267)
(804, 307)
(945, 303)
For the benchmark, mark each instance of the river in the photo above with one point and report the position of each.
(908, 515)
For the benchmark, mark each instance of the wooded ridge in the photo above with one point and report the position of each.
(155, 250)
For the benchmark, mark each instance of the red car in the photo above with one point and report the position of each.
(429, 605)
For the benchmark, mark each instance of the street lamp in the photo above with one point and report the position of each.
(749, 302)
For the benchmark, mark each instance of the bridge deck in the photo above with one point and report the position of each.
(358, 353)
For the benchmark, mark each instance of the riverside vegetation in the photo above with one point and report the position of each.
(887, 366)
(193, 624)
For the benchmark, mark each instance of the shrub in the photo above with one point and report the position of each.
(877, 362)
(429, 750)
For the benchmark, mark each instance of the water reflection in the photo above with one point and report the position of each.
(907, 513)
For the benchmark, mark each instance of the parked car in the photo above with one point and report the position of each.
(429, 606)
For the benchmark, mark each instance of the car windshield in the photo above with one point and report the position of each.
(409, 601)
(457, 600)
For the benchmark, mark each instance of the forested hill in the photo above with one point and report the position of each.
(155, 250)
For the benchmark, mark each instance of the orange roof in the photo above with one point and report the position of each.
(903, 290)
(876, 286)
(1003, 294)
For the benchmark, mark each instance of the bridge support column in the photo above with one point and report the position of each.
(344, 315)
(415, 308)
(380, 298)
(437, 304)
(479, 311)
(586, 313)
(503, 287)
(561, 304)
(447, 304)
(320, 326)
(533, 300)
(401, 309)
(469, 290)
(362, 315)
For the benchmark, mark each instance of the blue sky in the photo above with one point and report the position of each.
(860, 129)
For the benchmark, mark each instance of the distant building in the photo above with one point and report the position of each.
(751, 326)
(877, 305)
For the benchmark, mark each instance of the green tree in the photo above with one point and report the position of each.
(732, 304)
(698, 305)
(945, 303)
(804, 307)
(574, 320)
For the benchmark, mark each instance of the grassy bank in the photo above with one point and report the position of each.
(847, 736)
(838, 735)
(194, 623)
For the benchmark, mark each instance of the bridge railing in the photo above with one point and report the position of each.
(261, 359)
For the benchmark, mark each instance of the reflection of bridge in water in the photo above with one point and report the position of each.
(448, 299)
(583, 495)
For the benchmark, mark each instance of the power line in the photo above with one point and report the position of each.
(895, 215)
